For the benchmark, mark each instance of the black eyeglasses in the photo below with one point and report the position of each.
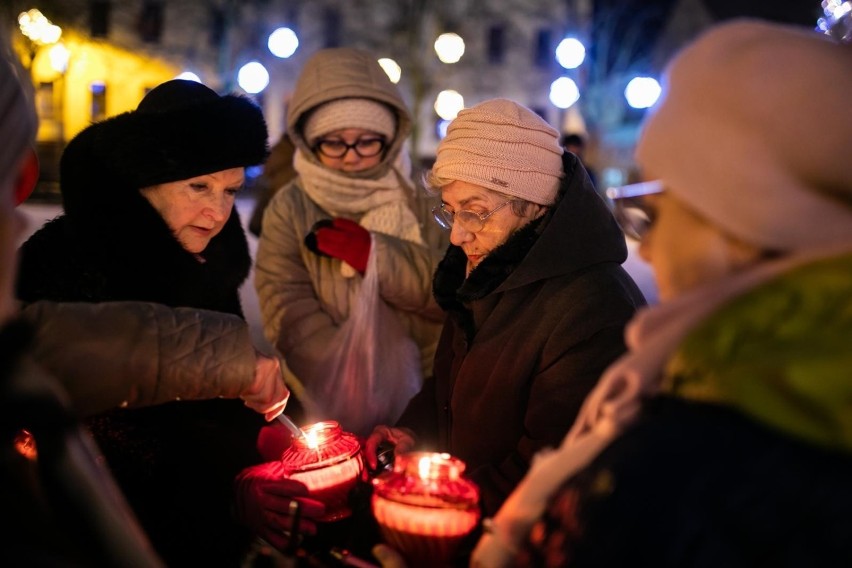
(364, 147)
(470, 221)
(631, 211)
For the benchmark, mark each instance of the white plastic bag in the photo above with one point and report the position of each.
(372, 367)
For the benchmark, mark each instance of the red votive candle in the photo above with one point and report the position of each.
(424, 507)
(328, 461)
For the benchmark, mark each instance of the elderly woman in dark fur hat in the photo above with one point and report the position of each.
(149, 215)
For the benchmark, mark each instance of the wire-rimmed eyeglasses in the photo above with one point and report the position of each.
(629, 208)
(366, 147)
(470, 221)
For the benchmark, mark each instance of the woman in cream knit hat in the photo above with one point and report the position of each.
(536, 297)
(723, 438)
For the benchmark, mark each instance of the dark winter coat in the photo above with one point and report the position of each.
(528, 334)
(175, 462)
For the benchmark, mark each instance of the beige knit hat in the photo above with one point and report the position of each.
(18, 121)
(753, 133)
(505, 147)
(350, 113)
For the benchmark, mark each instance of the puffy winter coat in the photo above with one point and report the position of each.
(304, 298)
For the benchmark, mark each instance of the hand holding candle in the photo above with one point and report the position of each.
(263, 497)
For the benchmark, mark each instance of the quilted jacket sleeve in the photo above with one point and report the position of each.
(136, 354)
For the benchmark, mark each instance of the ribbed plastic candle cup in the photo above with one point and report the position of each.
(425, 508)
(328, 461)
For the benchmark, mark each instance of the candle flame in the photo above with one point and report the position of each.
(311, 439)
(424, 467)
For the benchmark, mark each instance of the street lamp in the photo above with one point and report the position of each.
(642, 92)
(35, 26)
(449, 47)
(283, 42)
(253, 77)
(391, 68)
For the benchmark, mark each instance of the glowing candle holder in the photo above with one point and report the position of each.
(328, 461)
(425, 508)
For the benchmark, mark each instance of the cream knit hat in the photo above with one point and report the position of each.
(753, 133)
(350, 113)
(505, 147)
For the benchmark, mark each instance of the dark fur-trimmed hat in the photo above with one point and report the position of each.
(181, 129)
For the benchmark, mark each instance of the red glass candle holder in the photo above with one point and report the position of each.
(328, 461)
(424, 507)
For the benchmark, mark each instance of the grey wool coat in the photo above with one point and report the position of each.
(527, 336)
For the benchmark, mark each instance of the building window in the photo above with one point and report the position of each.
(543, 56)
(99, 18)
(496, 44)
(150, 23)
(45, 101)
(98, 91)
(217, 26)
(331, 27)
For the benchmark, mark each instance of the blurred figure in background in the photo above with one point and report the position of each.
(576, 144)
(723, 438)
(277, 172)
(148, 201)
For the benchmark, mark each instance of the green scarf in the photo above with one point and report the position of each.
(782, 354)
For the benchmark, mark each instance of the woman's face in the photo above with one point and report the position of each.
(351, 160)
(687, 251)
(460, 196)
(196, 209)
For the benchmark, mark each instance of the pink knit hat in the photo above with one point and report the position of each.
(505, 147)
(752, 132)
(340, 114)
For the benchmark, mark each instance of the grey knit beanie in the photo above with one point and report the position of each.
(503, 146)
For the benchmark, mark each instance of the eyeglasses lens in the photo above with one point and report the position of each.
(364, 147)
(634, 216)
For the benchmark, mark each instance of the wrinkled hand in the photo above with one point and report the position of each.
(263, 497)
(388, 557)
(343, 239)
(267, 394)
(402, 439)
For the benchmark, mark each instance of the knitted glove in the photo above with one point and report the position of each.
(270, 504)
(343, 239)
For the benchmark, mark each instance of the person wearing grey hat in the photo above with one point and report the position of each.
(536, 296)
(723, 436)
(148, 201)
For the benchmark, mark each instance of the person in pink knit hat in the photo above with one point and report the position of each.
(723, 437)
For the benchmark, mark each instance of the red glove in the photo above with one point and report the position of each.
(343, 239)
(263, 497)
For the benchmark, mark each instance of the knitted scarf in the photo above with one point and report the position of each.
(379, 205)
